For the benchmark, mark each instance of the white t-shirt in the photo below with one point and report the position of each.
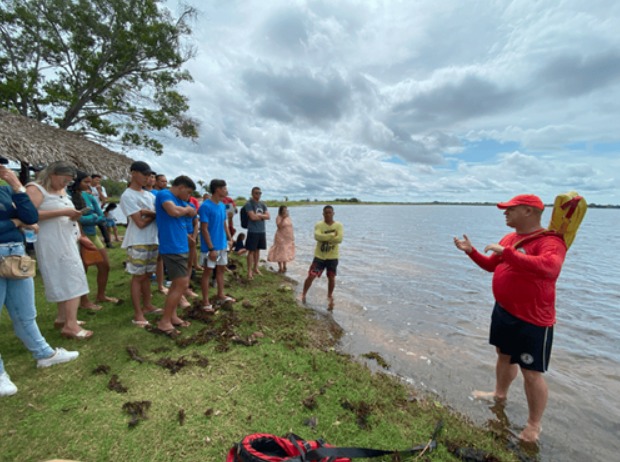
(95, 192)
(132, 202)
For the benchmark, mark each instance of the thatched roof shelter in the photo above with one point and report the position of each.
(34, 143)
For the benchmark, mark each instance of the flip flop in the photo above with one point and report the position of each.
(225, 300)
(208, 309)
(172, 333)
(141, 324)
(114, 300)
(182, 324)
(155, 311)
(81, 335)
(60, 325)
(92, 307)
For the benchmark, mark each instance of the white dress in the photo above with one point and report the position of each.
(58, 254)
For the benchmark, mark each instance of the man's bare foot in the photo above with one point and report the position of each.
(486, 396)
(257, 272)
(302, 298)
(183, 303)
(163, 290)
(530, 433)
(330, 303)
(250, 276)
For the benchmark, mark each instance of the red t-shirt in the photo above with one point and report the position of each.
(524, 278)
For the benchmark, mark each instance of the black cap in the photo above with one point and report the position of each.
(142, 167)
(3, 160)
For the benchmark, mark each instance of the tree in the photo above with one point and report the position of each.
(109, 68)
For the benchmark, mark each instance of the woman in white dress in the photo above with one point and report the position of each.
(57, 249)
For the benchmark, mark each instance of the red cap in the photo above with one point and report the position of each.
(523, 199)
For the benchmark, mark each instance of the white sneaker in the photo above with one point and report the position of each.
(7, 388)
(60, 356)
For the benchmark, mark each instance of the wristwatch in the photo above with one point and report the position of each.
(211, 250)
(21, 189)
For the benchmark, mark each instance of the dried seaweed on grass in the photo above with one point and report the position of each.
(310, 402)
(311, 422)
(102, 369)
(173, 365)
(137, 411)
(362, 411)
(377, 357)
(133, 354)
(181, 416)
(115, 385)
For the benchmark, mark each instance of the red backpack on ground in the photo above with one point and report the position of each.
(262, 447)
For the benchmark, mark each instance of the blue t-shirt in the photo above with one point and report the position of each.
(215, 216)
(189, 223)
(172, 231)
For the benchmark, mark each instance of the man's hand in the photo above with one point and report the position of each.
(464, 244)
(498, 249)
(190, 211)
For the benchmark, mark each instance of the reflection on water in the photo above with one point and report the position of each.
(404, 291)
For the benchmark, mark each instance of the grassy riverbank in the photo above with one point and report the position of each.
(266, 365)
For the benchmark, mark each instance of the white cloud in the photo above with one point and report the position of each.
(386, 100)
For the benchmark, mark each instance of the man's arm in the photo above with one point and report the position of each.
(486, 263)
(546, 263)
(177, 211)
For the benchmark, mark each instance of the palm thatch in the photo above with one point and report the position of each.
(34, 143)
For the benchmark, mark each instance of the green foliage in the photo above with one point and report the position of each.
(107, 67)
(114, 189)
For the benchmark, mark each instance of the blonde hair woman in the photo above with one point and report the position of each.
(57, 248)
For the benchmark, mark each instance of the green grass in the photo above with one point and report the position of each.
(67, 411)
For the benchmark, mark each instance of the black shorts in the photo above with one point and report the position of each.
(176, 265)
(528, 345)
(256, 241)
(318, 265)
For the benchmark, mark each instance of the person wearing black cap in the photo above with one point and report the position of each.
(525, 265)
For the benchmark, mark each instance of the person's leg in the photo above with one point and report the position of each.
(250, 259)
(256, 261)
(331, 285)
(536, 392)
(105, 234)
(205, 282)
(71, 327)
(307, 285)
(175, 292)
(505, 373)
(147, 296)
(103, 272)
(20, 305)
(219, 277)
(159, 276)
(137, 295)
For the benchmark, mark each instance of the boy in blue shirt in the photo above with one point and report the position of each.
(215, 239)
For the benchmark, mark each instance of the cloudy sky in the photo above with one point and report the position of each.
(410, 100)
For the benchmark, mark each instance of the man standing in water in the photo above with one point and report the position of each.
(328, 235)
(525, 265)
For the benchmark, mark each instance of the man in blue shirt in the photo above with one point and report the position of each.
(171, 208)
(215, 239)
(256, 240)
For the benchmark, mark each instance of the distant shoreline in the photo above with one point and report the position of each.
(274, 203)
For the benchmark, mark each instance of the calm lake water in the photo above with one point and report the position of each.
(407, 293)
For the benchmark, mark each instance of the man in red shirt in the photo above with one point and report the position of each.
(525, 266)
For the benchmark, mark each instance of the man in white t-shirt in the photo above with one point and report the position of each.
(140, 240)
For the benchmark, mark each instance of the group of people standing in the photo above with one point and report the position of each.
(163, 224)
